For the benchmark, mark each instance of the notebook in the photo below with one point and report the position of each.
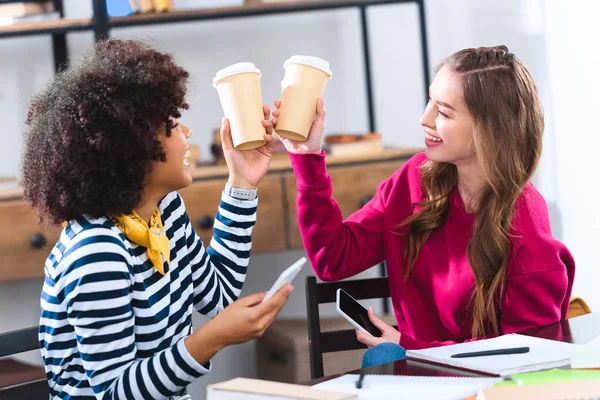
(388, 387)
(543, 354)
(256, 389)
(552, 376)
(586, 390)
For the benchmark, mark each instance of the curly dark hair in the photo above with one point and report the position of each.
(92, 132)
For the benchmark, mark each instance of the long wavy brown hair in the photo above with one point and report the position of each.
(502, 99)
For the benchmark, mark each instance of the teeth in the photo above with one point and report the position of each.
(186, 158)
(433, 138)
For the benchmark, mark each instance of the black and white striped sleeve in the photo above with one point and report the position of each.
(96, 278)
(219, 271)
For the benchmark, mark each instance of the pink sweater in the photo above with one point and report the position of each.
(431, 308)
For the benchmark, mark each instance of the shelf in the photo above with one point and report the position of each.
(44, 27)
(244, 11)
(71, 25)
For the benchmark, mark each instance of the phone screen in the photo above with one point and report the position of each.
(358, 313)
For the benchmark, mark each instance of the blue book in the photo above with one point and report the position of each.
(119, 8)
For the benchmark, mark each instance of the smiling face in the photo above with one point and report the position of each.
(447, 121)
(174, 173)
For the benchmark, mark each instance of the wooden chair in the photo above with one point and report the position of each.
(18, 342)
(333, 341)
(577, 307)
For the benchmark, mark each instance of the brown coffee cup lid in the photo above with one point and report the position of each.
(311, 61)
(234, 69)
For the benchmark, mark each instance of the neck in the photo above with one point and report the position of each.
(470, 184)
(148, 205)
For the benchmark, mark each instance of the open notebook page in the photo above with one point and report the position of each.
(543, 354)
(387, 387)
(587, 355)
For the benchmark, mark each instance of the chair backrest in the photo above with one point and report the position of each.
(578, 307)
(333, 341)
(16, 342)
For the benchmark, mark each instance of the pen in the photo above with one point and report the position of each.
(359, 382)
(515, 350)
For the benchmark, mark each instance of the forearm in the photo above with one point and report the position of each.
(219, 271)
(204, 343)
(337, 248)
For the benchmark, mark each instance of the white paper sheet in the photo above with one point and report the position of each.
(384, 387)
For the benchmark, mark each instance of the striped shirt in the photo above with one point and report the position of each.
(112, 326)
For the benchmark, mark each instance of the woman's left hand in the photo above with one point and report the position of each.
(389, 333)
(247, 167)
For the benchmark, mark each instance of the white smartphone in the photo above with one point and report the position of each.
(286, 276)
(355, 313)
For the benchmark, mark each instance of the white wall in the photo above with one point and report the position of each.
(540, 40)
(572, 31)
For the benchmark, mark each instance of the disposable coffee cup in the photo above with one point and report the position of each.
(304, 82)
(241, 98)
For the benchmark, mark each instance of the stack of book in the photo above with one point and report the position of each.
(555, 384)
(15, 12)
(121, 8)
(255, 389)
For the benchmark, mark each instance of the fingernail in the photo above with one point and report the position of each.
(222, 121)
(370, 309)
(289, 288)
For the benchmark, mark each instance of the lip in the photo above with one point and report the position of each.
(431, 134)
(186, 157)
(431, 143)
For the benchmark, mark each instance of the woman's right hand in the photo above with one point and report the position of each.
(315, 137)
(248, 318)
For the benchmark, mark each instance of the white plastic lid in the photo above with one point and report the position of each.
(315, 62)
(239, 68)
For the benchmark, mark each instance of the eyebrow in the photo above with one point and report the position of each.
(441, 103)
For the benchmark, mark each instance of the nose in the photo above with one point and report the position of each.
(428, 118)
(186, 131)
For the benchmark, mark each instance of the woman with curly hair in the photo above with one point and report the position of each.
(104, 156)
(465, 235)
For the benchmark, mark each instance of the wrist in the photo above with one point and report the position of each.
(240, 194)
(204, 343)
(215, 339)
(239, 183)
(303, 151)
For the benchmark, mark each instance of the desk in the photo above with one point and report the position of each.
(579, 330)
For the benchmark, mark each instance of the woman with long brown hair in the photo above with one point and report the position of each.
(465, 235)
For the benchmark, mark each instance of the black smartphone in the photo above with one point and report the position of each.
(355, 313)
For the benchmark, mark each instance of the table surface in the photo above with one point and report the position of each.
(579, 330)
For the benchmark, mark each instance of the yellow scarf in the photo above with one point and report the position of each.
(153, 238)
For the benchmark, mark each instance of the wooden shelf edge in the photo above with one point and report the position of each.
(51, 26)
(244, 10)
